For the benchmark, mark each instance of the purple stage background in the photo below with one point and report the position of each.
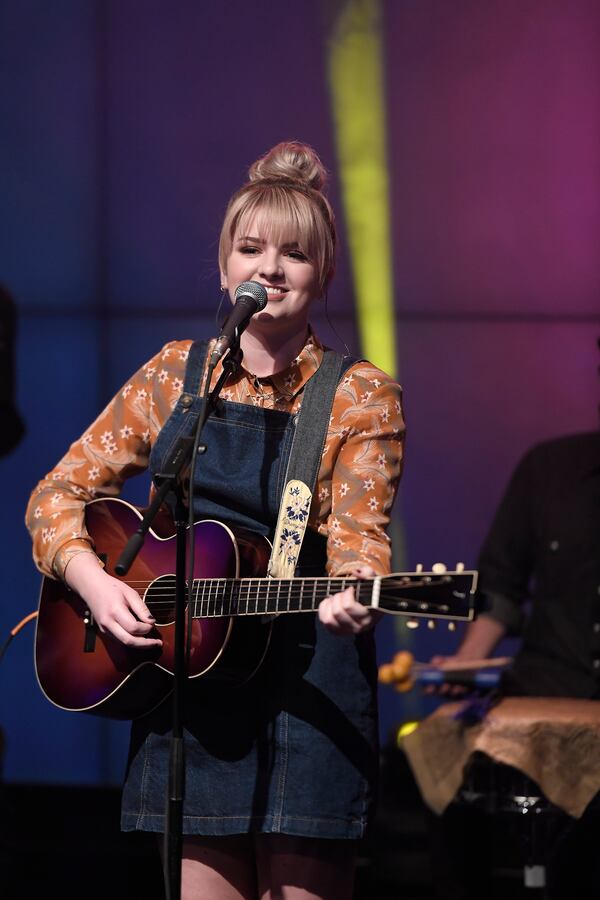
(126, 126)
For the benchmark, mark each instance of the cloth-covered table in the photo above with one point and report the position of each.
(555, 742)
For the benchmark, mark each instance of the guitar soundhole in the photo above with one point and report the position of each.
(160, 599)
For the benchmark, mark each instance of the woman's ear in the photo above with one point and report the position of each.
(224, 284)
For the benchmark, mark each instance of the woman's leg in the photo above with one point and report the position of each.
(299, 868)
(218, 868)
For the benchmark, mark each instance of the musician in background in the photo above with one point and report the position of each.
(540, 573)
(280, 772)
(12, 427)
(540, 579)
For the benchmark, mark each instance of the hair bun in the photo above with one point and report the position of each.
(290, 161)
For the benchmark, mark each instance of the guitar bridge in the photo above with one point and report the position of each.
(89, 639)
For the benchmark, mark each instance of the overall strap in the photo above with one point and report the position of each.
(312, 422)
(194, 369)
(312, 425)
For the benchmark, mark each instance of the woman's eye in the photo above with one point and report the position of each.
(248, 250)
(298, 254)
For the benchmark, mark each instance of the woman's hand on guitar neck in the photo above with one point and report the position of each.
(342, 614)
(117, 609)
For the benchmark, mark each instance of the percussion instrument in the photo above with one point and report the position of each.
(533, 759)
(403, 672)
(554, 742)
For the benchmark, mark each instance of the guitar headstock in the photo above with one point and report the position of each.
(438, 593)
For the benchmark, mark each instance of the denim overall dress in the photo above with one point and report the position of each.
(294, 749)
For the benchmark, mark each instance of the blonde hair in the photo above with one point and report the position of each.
(284, 197)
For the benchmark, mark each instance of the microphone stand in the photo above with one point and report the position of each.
(168, 480)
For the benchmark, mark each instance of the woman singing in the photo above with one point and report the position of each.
(280, 771)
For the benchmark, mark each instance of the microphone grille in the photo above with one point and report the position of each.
(254, 290)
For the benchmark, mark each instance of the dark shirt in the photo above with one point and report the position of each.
(540, 568)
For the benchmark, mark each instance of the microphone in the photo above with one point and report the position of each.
(250, 298)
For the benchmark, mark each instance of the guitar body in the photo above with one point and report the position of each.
(80, 669)
(233, 604)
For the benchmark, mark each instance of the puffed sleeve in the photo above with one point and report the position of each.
(114, 448)
(362, 465)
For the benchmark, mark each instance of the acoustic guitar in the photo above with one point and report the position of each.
(229, 618)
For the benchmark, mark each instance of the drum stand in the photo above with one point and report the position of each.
(537, 824)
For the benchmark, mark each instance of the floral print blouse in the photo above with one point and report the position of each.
(357, 481)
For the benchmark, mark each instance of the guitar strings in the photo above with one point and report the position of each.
(293, 582)
(225, 601)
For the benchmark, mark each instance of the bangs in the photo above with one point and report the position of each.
(281, 217)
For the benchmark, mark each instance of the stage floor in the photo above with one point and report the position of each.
(65, 842)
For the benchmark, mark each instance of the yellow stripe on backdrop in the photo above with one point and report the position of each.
(356, 84)
(357, 96)
(355, 68)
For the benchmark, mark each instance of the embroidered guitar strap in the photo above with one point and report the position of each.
(312, 423)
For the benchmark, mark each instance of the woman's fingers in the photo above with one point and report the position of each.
(120, 611)
(342, 614)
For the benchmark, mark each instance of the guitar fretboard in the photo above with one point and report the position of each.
(265, 596)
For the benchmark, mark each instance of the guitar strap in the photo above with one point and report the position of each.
(311, 426)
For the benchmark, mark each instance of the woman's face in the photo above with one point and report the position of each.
(290, 279)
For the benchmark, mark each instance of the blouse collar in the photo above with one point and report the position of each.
(289, 381)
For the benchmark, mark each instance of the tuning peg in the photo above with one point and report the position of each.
(460, 567)
(451, 626)
(439, 568)
(412, 623)
(431, 624)
(419, 567)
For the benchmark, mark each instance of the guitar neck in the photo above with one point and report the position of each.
(266, 596)
(448, 595)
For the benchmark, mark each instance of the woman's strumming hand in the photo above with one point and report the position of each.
(117, 609)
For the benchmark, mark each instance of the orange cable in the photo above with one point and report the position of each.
(23, 622)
